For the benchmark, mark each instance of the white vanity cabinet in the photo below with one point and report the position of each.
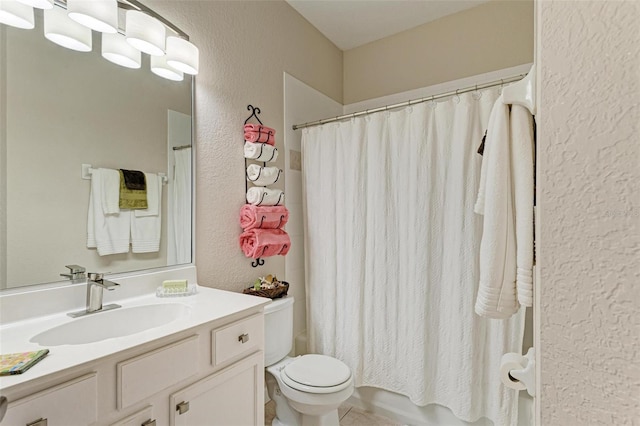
(233, 396)
(210, 374)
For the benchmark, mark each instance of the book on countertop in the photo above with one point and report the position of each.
(18, 363)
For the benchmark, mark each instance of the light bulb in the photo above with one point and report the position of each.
(99, 15)
(182, 55)
(145, 33)
(16, 14)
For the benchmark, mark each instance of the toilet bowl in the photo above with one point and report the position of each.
(307, 389)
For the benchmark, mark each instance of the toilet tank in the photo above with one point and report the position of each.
(278, 329)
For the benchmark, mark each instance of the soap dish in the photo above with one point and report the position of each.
(170, 292)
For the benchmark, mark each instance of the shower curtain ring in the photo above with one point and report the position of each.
(457, 96)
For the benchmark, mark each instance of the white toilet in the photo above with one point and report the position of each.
(307, 389)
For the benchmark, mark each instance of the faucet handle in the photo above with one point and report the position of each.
(75, 269)
(75, 272)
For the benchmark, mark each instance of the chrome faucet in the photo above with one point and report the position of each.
(96, 284)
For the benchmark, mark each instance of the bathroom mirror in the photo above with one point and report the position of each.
(60, 109)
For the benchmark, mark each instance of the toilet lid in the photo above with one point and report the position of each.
(317, 371)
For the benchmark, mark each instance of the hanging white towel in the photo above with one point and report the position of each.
(497, 290)
(109, 233)
(523, 188)
(260, 151)
(146, 230)
(265, 196)
(110, 191)
(262, 176)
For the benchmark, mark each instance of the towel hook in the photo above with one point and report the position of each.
(262, 199)
(278, 177)
(254, 113)
(261, 220)
(279, 197)
(279, 223)
(257, 262)
(259, 173)
(273, 154)
(284, 246)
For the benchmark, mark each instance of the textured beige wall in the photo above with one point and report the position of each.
(244, 49)
(589, 203)
(495, 35)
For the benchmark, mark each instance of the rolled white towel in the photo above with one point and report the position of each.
(260, 151)
(265, 196)
(262, 176)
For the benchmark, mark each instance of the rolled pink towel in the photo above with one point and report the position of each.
(257, 243)
(259, 128)
(263, 217)
(260, 137)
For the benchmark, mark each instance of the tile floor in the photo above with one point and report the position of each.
(349, 416)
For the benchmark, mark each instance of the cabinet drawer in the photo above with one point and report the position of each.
(142, 417)
(237, 339)
(68, 404)
(150, 373)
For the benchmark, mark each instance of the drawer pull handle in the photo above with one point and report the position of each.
(244, 338)
(183, 407)
(149, 423)
(39, 422)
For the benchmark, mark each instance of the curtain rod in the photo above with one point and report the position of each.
(500, 82)
(176, 148)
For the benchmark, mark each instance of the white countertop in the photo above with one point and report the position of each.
(206, 306)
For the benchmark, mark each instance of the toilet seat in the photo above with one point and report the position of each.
(316, 374)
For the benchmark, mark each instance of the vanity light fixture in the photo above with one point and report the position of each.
(68, 23)
(67, 33)
(99, 15)
(116, 49)
(145, 33)
(160, 67)
(16, 14)
(182, 55)
(39, 4)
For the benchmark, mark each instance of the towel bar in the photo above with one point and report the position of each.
(87, 170)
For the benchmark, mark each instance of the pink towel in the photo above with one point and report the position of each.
(259, 128)
(261, 137)
(259, 133)
(257, 243)
(263, 217)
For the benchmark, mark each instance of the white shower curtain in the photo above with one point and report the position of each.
(392, 256)
(182, 205)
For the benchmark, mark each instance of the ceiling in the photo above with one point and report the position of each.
(352, 23)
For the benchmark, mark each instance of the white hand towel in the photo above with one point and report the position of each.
(497, 290)
(146, 230)
(110, 191)
(265, 196)
(109, 233)
(154, 190)
(260, 151)
(523, 188)
(262, 176)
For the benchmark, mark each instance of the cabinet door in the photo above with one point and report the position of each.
(233, 396)
(73, 403)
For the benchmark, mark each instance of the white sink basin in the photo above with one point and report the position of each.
(111, 324)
